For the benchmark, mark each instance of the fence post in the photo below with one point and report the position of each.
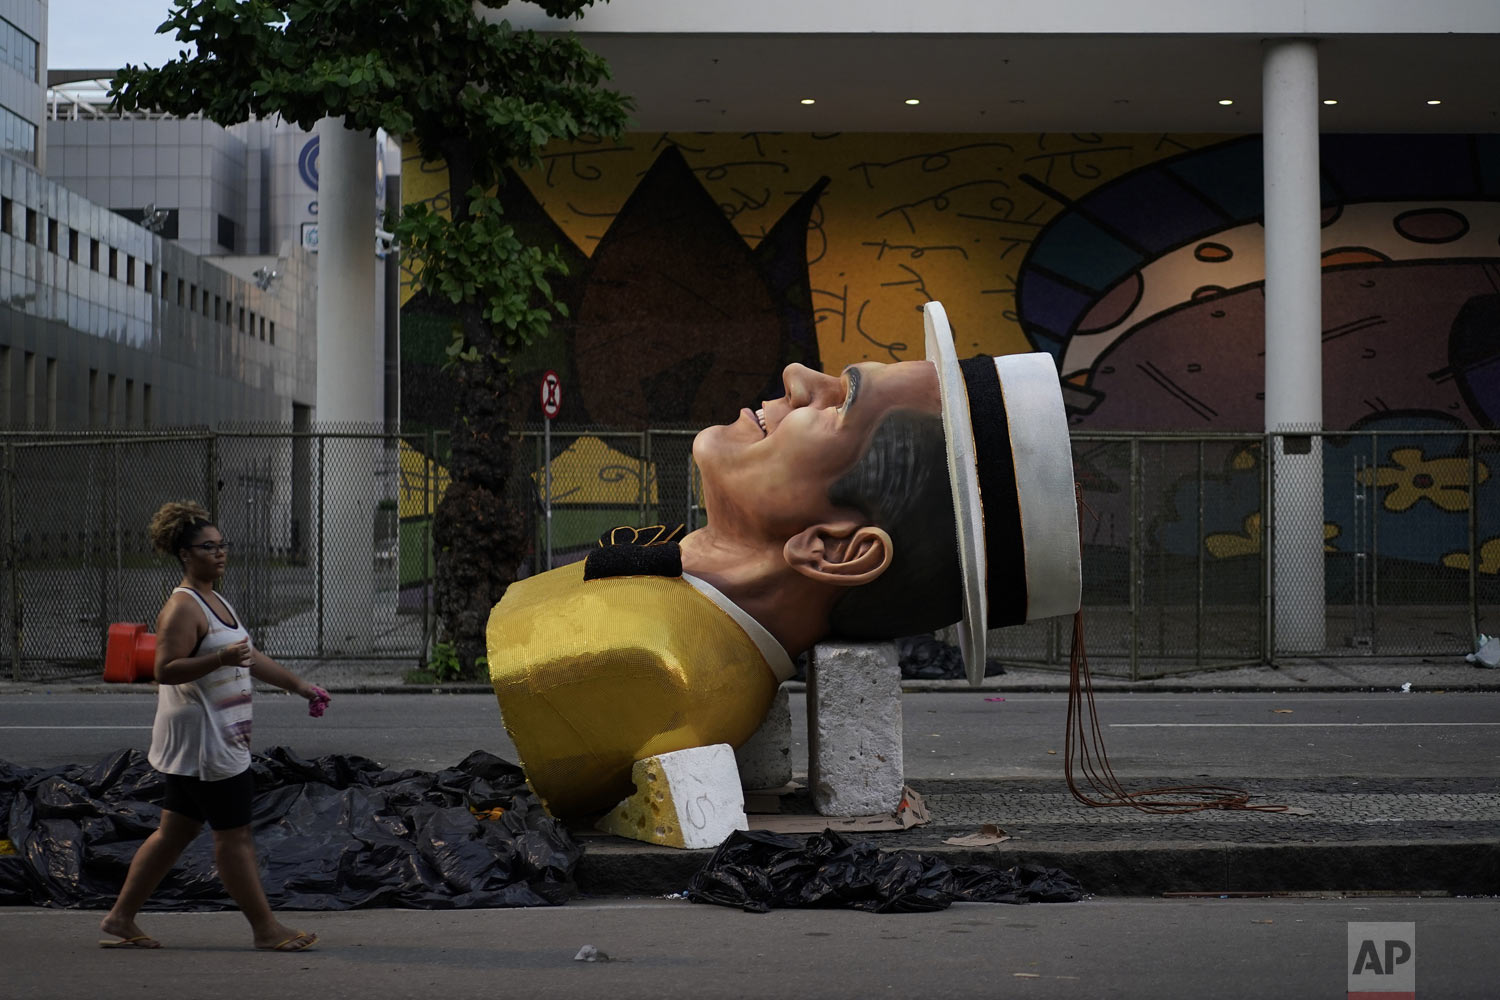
(645, 484)
(322, 514)
(1135, 557)
(98, 478)
(113, 499)
(547, 481)
(1375, 506)
(1473, 533)
(1199, 548)
(211, 477)
(1267, 544)
(13, 558)
(429, 461)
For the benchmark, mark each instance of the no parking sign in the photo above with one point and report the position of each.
(551, 395)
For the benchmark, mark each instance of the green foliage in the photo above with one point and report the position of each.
(473, 92)
(480, 260)
(455, 86)
(444, 664)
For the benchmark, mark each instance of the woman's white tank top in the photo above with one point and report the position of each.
(202, 727)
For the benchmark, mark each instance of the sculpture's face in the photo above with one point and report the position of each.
(768, 473)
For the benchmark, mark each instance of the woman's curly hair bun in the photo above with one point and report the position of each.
(174, 524)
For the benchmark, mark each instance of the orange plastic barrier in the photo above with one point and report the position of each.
(129, 654)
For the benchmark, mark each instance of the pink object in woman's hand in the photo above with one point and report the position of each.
(318, 702)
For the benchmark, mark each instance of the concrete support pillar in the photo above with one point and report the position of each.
(765, 760)
(854, 753)
(350, 384)
(1294, 346)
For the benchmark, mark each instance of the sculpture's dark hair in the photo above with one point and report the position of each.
(901, 485)
(175, 524)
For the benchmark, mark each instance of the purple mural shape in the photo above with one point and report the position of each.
(679, 321)
(1402, 337)
(1201, 365)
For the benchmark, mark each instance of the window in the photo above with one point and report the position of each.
(31, 226)
(163, 221)
(148, 286)
(17, 135)
(146, 405)
(130, 270)
(114, 263)
(19, 51)
(5, 412)
(273, 331)
(226, 232)
(262, 328)
(130, 402)
(73, 244)
(112, 402)
(242, 319)
(93, 254)
(93, 397)
(218, 309)
(180, 285)
(52, 235)
(192, 298)
(4, 215)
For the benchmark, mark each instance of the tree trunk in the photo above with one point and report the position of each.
(478, 531)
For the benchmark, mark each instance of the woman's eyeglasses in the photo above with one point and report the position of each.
(212, 548)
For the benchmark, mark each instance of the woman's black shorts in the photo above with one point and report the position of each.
(224, 805)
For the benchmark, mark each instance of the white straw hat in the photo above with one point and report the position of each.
(1010, 463)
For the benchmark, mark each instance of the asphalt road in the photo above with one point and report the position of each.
(1119, 949)
(1103, 947)
(959, 735)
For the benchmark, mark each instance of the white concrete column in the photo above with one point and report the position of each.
(350, 384)
(1294, 345)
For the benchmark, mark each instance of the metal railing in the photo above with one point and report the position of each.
(1184, 568)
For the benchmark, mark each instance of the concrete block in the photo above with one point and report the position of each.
(765, 760)
(855, 762)
(691, 799)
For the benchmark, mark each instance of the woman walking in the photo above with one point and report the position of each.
(200, 741)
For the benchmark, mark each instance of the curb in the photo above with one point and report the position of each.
(1459, 868)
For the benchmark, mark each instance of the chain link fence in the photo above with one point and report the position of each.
(1184, 569)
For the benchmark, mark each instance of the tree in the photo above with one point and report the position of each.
(479, 96)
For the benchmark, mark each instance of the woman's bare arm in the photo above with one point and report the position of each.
(179, 627)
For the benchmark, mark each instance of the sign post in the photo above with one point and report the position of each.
(551, 405)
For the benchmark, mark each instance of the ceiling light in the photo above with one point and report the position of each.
(1434, 102)
(1329, 101)
(912, 100)
(808, 100)
(1226, 102)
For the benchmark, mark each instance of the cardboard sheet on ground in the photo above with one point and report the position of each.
(911, 812)
(987, 835)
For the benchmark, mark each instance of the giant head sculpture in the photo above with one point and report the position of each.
(885, 501)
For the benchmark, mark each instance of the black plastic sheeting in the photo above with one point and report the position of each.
(760, 871)
(335, 833)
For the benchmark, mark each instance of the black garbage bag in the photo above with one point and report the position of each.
(335, 833)
(760, 871)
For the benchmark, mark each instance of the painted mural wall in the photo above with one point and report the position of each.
(1134, 259)
(702, 264)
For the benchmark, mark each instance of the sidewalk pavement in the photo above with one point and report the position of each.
(1342, 835)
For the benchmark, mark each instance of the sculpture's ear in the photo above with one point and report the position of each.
(842, 553)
